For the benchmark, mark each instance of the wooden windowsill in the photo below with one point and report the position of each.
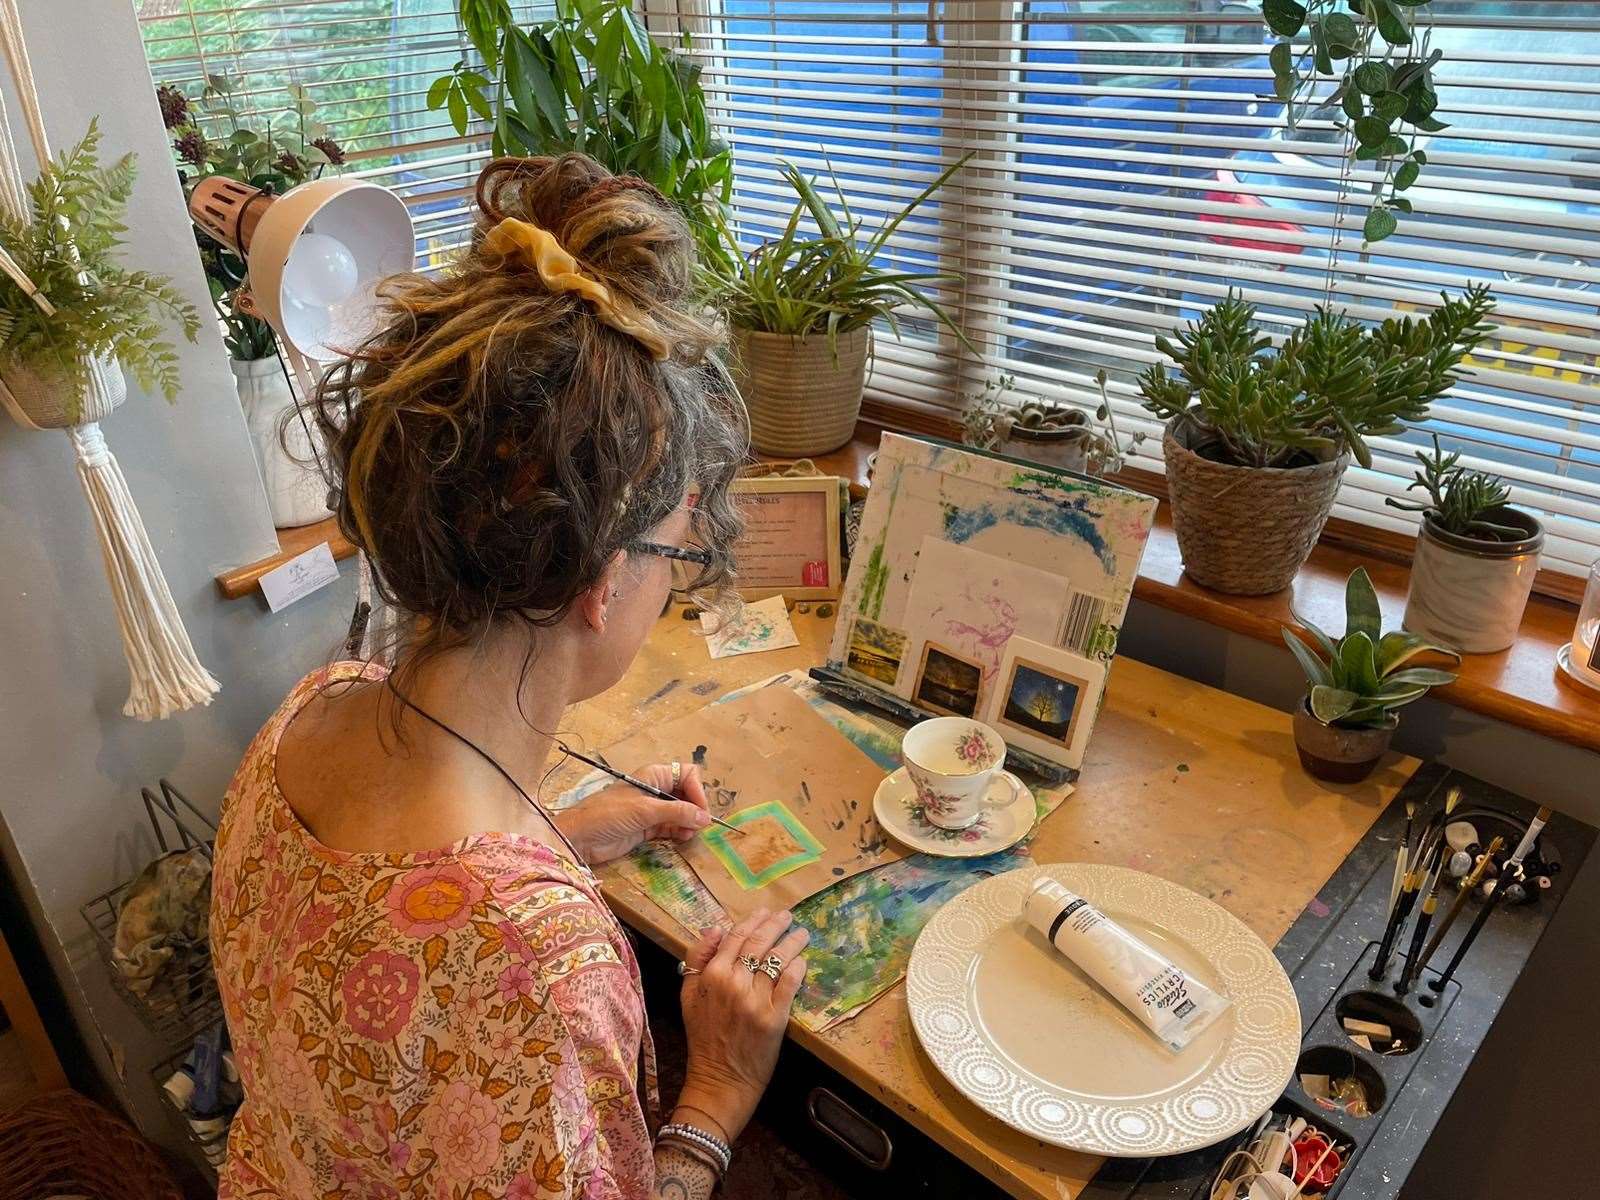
(1521, 686)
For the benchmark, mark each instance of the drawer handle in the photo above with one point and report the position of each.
(862, 1138)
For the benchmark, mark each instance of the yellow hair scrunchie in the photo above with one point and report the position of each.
(538, 248)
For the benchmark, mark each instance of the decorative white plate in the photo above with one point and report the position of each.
(1028, 1038)
(895, 805)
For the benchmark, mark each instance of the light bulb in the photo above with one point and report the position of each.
(320, 272)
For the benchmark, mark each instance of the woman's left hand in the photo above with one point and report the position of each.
(612, 821)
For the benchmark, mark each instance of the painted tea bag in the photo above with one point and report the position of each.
(1168, 1002)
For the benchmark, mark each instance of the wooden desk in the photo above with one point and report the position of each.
(1182, 780)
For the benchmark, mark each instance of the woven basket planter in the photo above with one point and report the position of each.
(45, 401)
(1245, 530)
(802, 400)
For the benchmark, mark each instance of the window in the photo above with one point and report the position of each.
(1130, 168)
(366, 64)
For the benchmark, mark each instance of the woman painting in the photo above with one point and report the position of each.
(427, 995)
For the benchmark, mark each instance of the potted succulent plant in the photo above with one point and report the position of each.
(212, 136)
(1057, 435)
(1347, 718)
(1257, 440)
(1476, 556)
(802, 306)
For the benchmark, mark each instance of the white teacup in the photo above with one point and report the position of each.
(954, 761)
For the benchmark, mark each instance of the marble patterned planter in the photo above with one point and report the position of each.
(1469, 593)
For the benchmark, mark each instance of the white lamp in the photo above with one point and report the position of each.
(315, 256)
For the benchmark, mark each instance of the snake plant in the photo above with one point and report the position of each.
(1358, 681)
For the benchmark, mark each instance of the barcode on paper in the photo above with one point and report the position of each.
(1081, 625)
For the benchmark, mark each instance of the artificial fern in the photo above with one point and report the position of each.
(1331, 385)
(67, 247)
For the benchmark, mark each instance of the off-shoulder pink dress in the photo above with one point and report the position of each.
(461, 1024)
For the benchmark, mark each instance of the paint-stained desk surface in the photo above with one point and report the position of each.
(1187, 782)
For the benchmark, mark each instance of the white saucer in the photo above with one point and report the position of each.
(1564, 661)
(895, 805)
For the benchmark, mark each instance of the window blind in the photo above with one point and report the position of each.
(367, 65)
(1130, 168)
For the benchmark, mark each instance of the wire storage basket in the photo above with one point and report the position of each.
(182, 999)
(64, 1144)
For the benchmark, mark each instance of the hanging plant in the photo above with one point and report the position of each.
(1381, 65)
(67, 245)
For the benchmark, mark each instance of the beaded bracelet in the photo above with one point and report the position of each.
(699, 1138)
(685, 1147)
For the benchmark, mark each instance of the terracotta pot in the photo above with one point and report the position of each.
(1244, 530)
(296, 492)
(802, 400)
(1336, 754)
(1470, 592)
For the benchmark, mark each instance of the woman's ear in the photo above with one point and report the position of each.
(592, 604)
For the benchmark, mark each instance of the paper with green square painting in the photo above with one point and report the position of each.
(801, 790)
(770, 843)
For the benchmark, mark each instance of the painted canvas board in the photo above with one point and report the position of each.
(800, 790)
(1062, 549)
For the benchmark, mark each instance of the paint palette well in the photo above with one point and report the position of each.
(900, 816)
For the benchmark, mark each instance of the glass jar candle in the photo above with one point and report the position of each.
(1583, 655)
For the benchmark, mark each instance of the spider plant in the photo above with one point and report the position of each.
(825, 282)
(1358, 681)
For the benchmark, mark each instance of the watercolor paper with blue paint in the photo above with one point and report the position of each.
(961, 551)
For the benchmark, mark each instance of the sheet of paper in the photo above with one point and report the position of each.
(800, 788)
(966, 605)
(763, 625)
(299, 577)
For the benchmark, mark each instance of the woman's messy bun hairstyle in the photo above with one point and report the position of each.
(497, 442)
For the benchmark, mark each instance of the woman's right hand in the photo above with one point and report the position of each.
(735, 1017)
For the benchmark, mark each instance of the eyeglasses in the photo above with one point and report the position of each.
(692, 554)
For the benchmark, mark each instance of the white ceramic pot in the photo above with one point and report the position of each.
(1469, 593)
(296, 492)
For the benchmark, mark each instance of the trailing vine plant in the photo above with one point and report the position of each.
(1381, 64)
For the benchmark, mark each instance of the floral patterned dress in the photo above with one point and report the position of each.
(462, 1024)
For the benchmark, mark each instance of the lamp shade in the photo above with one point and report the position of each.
(316, 255)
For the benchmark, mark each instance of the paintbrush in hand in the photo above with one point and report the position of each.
(1467, 887)
(647, 789)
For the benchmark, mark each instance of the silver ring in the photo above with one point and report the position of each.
(751, 963)
(677, 775)
(685, 969)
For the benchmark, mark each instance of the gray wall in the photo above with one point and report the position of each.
(72, 765)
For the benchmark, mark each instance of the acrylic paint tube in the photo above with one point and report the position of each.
(1168, 1002)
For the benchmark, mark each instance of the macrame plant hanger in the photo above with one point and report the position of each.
(166, 674)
